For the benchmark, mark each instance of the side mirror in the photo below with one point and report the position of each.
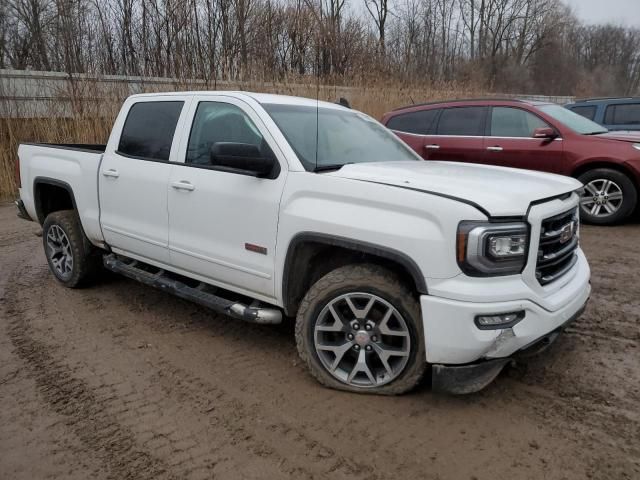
(242, 158)
(546, 133)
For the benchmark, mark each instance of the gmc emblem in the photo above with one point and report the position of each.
(567, 232)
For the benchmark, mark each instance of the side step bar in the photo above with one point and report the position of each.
(199, 294)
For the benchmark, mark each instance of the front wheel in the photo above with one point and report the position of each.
(609, 196)
(359, 329)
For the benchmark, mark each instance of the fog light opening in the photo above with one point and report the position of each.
(498, 321)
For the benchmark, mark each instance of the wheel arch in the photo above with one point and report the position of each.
(51, 195)
(311, 255)
(604, 163)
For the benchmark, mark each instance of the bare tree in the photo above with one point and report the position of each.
(523, 45)
(379, 11)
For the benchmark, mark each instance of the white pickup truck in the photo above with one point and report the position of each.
(264, 207)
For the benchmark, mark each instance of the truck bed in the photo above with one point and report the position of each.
(82, 147)
(72, 166)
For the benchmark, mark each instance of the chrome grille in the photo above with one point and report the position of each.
(558, 244)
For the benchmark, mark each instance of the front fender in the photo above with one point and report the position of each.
(417, 229)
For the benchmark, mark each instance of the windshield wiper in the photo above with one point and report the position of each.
(328, 168)
(598, 132)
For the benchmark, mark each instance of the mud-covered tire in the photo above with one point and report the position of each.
(85, 258)
(376, 281)
(619, 184)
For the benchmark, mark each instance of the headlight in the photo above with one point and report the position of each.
(636, 146)
(491, 249)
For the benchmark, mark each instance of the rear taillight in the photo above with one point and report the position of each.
(18, 181)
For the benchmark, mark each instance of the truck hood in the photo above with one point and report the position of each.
(499, 191)
(624, 136)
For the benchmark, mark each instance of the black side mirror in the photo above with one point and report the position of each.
(241, 158)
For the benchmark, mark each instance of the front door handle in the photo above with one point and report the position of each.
(112, 172)
(495, 149)
(432, 147)
(183, 185)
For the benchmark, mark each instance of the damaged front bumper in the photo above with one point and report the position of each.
(467, 355)
(452, 336)
(473, 377)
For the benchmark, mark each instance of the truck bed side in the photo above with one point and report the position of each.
(59, 174)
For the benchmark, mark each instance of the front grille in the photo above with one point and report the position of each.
(558, 244)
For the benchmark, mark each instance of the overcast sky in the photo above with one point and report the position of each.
(625, 12)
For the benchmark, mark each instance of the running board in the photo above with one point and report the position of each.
(163, 280)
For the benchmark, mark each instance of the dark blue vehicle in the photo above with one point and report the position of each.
(611, 113)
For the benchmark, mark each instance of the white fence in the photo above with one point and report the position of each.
(26, 93)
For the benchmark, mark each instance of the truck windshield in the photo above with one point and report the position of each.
(327, 138)
(572, 120)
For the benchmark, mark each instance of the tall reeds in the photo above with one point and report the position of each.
(84, 111)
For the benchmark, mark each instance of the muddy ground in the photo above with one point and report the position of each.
(122, 381)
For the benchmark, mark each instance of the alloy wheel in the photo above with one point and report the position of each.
(59, 251)
(362, 340)
(601, 198)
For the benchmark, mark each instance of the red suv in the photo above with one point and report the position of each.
(533, 135)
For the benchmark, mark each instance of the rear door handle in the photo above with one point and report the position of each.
(183, 185)
(432, 147)
(111, 173)
(495, 149)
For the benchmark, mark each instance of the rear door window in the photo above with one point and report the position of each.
(586, 111)
(514, 122)
(418, 123)
(462, 121)
(148, 130)
(626, 114)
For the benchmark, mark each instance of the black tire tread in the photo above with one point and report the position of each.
(629, 190)
(86, 258)
(383, 280)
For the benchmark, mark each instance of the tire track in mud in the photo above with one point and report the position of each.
(72, 398)
(565, 385)
(246, 426)
(88, 412)
(258, 421)
(243, 424)
(603, 337)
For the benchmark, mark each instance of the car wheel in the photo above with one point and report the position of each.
(359, 329)
(608, 198)
(72, 259)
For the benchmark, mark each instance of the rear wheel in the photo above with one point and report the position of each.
(71, 257)
(359, 329)
(609, 196)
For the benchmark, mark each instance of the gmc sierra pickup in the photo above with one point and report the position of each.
(263, 207)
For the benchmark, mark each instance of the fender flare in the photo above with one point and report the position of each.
(50, 181)
(603, 162)
(356, 245)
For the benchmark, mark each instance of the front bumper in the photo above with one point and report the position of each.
(465, 358)
(452, 338)
(463, 379)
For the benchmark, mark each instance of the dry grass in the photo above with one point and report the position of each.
(94, 112)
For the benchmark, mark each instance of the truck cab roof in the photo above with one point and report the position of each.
(262, 98)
